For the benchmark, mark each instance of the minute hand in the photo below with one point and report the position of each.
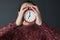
(29, 15)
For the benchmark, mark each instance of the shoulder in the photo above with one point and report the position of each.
(50, 31)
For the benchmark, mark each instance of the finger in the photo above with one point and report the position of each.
(36, 8)
(21, 12)
(35, 11)
(24, 9)
(23, 6)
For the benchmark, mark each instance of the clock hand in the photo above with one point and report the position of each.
(29, 15)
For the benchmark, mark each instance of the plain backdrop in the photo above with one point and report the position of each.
(50, 11)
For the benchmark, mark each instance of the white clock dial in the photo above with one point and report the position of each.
(29, 16)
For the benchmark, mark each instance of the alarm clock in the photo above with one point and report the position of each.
(29, 16)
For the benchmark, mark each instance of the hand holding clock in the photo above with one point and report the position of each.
(21, 14)
(38, 15)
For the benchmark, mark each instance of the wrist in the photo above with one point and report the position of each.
(39, 23)
(18, 21)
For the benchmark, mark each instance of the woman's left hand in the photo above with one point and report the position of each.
(38, 15)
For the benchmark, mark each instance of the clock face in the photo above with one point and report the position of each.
(29, 16)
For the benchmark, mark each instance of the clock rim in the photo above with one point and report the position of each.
(30, 22)
(26, 20)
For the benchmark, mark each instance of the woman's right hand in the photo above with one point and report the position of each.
(20, 15)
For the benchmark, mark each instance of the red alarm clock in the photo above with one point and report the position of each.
(29, 16)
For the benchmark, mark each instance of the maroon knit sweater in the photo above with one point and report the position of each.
(33, 32)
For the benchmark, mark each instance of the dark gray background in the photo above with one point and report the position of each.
(50, 10)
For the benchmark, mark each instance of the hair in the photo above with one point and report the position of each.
(27, 1)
